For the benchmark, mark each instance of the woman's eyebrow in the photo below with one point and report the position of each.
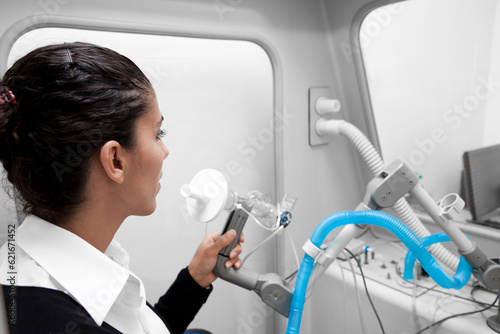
(161, 121)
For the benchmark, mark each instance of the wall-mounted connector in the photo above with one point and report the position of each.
(322, 104)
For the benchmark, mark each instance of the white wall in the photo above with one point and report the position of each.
(427, 70)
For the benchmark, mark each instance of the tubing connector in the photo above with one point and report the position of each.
(285, 219)
(326, 106)
(326, 127)
(270, 287)
(323, 103)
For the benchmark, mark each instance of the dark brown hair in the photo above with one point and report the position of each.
(70, 99)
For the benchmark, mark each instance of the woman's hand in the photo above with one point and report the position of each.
(205, 258)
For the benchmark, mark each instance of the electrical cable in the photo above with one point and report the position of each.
(294, 250)
(366, 289)
(433, 288)
(358, 302)
(465, 296)
(275, 230)
(479, 303)
(296, 256)
(477, 287)
(292, 275)
(459, 315)
(239, 206)
(272, 235)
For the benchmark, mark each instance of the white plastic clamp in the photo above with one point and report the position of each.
(315, 252)
(451, 205)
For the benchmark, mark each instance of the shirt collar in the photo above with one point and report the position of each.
(88, 275)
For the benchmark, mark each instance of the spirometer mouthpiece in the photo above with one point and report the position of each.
(189, 191)
(206, 195)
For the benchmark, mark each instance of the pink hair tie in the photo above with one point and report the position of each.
(8, 97)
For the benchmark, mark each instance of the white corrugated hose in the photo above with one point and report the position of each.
(376, 164)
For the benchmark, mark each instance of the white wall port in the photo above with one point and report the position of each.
(316, 93)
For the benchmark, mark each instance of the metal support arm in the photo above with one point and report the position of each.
(270, 287)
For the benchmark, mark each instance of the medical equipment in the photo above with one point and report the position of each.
(206, 196)
(394, 182)
(441, 213)
(326, 126)
(398, 179)
(409, 238)
(273, 290)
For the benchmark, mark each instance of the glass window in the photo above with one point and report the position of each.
(433, 70)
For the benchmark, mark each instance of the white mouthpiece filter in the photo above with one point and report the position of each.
(206, 195)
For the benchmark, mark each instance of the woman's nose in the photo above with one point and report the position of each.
(165, 150)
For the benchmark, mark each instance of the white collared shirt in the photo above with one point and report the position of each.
(49, 256)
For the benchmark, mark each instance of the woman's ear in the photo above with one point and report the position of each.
(112, 159)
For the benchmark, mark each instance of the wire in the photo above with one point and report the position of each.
(239, 206)
(366, 289)
(358, 302)
(291, 276)
(459, 315)
(296, 256)
(433, 288)
(477, 287)
(293, 249)
(262, 243)
(478, 302)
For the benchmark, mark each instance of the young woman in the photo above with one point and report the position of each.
(80, 141)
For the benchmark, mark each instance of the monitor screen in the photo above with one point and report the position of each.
(482, 183)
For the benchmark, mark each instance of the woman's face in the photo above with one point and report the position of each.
(146, 161)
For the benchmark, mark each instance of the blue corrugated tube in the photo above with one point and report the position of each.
(463, 270)
(382, 219)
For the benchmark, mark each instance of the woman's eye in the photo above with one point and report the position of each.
(161, 134)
